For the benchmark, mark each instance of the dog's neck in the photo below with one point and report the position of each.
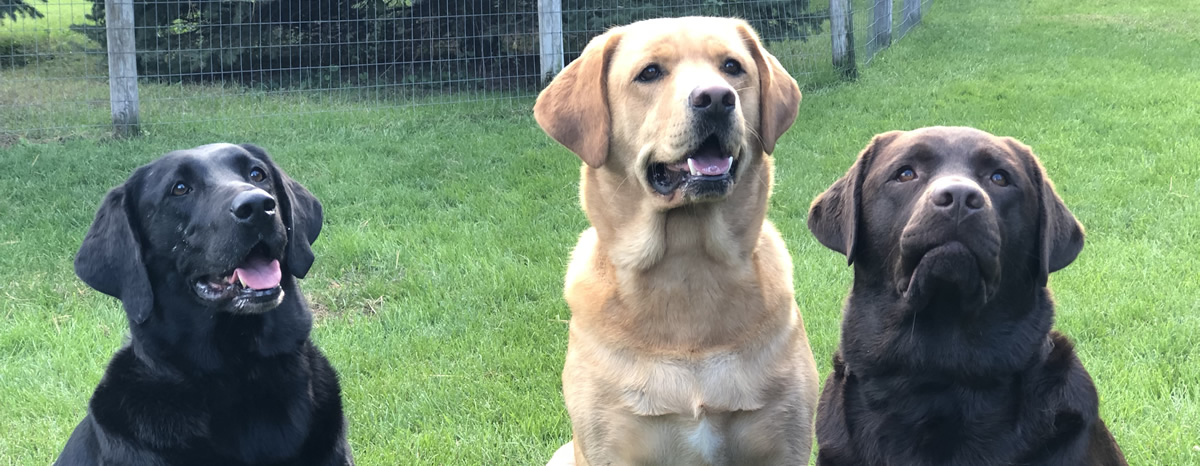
(678, 273)
(895, 334)
(178, 335)
(640, 236)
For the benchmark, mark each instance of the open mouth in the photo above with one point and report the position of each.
(252, 285)
(706, 169)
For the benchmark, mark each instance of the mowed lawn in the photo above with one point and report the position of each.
(438, 277)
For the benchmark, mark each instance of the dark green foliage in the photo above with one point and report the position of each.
(13, 9)
(491, 44)
(773, 19)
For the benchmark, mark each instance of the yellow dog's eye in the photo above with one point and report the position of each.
(906, 174)
(257, 174)
(732, 67)
(180, 189)
(1000, 178)
(649, 74)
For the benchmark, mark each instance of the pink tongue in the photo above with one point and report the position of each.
(711, 165)
(259, 274)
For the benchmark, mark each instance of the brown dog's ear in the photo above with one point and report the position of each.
(779, 96)
(1060, 235)
(110, 258)
(301, 211)
(573, 109)
(833, 217)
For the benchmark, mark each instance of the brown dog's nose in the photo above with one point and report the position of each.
(713, 100)
(955, 195)
(251, 205)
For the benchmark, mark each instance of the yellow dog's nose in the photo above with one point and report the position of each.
(718, 100)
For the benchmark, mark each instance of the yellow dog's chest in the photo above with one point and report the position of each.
(701, 411)
(716, 382)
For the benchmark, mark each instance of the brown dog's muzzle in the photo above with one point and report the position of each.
(951, 239)
(957, 198)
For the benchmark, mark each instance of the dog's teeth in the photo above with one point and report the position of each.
(730, 162)
(692, 167)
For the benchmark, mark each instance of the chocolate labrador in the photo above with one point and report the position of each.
(947, 356)
(203, 248)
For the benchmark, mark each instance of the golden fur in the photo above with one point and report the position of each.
(686, 345)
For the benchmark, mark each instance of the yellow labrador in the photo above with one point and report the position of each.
(686, 346)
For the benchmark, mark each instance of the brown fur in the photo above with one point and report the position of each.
(686, 345)
(947, 354)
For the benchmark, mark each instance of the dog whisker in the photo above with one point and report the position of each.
(756, 136)
(615, 191)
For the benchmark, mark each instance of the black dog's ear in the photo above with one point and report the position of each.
(110, 258)
(1060, 235)
(302, 215)
(833, 217)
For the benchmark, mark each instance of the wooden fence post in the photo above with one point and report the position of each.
(122, 67)
(881, 30)
(550, 30)
(912, 15)
(841, 29)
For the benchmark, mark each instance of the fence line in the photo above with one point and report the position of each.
(158, 62)
(122, 67)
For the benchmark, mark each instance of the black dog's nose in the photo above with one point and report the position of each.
(713, 100)
(957, 195)
(251, 205)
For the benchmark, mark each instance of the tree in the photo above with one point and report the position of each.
(13, 9)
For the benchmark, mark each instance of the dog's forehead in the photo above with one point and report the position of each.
(680, 38)
(204, 160)
(953, 143)
(208, 156)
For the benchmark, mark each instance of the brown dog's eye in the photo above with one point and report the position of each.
(732, 67)
(649, 74)
(999, 178)
(906, 174)
(180, 189)
(256, 174)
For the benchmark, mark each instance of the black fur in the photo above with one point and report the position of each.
(207, 382)
(947, 356)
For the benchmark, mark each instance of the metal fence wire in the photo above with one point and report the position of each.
(186, 61)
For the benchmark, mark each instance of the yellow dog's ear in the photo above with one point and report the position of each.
(779, 96)
(573, 109)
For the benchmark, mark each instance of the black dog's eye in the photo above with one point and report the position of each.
(180, 189)
(1000, 178)
(256, 174)
(649, 74)
(906, 174)
(732, 67)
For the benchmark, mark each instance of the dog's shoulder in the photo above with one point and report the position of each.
(167, 414)
(836, 446)
(1061, 380)
(1065, 408)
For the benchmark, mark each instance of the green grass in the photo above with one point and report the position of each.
(438, 279)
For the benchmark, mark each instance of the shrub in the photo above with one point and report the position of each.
(431, 43)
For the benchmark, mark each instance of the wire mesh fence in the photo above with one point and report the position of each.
(187, 61)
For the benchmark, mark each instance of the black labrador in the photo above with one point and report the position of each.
(947, 356)
(203, 248)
